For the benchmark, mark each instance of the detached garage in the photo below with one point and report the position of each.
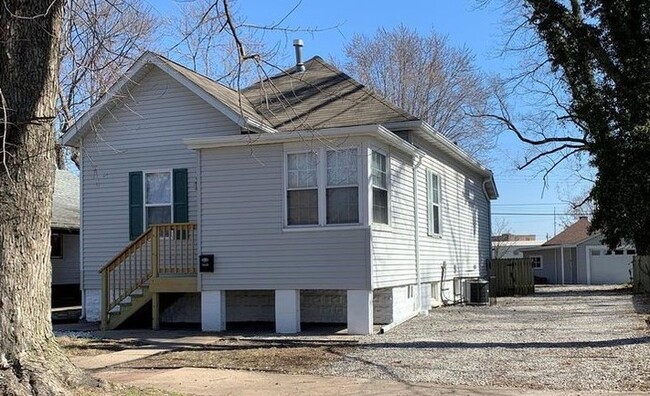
(575, 256)
(605, 266)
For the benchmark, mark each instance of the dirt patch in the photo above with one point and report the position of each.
(77, 346)
(122, 390)
(281, 356)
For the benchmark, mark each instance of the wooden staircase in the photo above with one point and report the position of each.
(161, 260)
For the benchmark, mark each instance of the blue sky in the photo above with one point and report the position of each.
(465, 24)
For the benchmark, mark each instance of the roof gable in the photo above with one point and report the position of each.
(318, 98)
(233, 105)
(573, 234)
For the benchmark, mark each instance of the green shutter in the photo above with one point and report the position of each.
(180, 196)
(136, 205)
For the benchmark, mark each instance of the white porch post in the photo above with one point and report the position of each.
(562, 261)
(360, 313)
(213, 310)
(287, 311)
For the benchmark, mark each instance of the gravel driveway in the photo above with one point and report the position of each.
(561, 338)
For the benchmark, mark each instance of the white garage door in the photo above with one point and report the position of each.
(610, 267)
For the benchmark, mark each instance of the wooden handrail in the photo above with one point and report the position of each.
(162, 248)
(115, 260)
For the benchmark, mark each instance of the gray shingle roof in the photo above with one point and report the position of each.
(65, 205)
(320, 97)
(239, 104)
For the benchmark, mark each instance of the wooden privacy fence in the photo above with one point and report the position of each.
(641, 274)
(509, 277)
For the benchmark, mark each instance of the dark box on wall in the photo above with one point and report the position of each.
(206, 263)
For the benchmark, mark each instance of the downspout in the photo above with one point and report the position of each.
(562, 261)
(418, 279)
(489, 206)
(81, 231)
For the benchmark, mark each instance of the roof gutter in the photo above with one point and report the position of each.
(298, 136)
(453, 149)
(533, 249)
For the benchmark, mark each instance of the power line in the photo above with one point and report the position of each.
(539, 214)
(531, 204)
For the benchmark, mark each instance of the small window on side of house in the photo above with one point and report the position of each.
(433, 200)
(631, 252)
(379, 182)
(537, 262)
(57, 245)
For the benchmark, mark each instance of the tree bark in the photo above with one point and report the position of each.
(30, 360)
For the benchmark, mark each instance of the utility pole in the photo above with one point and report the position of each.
(554, 223)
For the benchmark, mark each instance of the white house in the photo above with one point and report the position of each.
(65, 239)
(307, 197)
(575, 256)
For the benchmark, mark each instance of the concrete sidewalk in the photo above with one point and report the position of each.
(213, 382)
(151, 346)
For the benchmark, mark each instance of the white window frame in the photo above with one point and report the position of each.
(145, 205)
(541, 262)
(371, 219)
(321, 183)
(430, 204)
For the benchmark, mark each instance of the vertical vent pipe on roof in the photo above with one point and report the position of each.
(300, 67)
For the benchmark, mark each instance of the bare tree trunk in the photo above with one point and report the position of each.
(30, 360)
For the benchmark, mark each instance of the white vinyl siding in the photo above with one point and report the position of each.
(65, 269)
(242, 225)
(464, 245)
(145, 134)
(393, 248)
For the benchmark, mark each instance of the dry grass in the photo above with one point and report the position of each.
(278, 356)
(74, 346)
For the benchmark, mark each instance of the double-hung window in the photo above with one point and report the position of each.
(302, 189)
(323, 187)
(158, 197)
(379, 183)
(342, 189)
(434, 192)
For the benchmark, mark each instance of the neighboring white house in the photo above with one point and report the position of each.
(508, 245)
(65, 239)
(575, 256)
(310, 199)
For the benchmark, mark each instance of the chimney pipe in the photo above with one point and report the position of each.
(300, 67)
